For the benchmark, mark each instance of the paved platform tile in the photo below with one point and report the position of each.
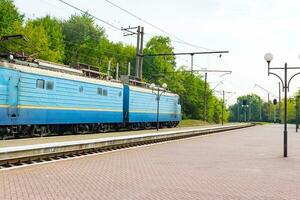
(240, 164)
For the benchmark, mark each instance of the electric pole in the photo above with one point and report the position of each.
(205, 98)
(268, 105)
(139, 48)
(223, 92)
(192, 69)
(206, 71)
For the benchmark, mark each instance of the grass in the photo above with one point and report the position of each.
(262, 123)
(192, 122)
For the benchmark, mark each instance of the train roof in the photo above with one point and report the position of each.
(80, 72)
(59, 71)
(149, 90)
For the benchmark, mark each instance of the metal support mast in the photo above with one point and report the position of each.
(139, 48)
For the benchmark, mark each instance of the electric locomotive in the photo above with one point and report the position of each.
(39, 98)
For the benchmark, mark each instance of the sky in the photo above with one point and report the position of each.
(246, 28)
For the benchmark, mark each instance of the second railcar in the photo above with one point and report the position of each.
(140, 107)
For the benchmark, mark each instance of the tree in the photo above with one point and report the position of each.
(254, 110)
(53, 29)
(10, 19)
(84, 40)
(155, 67)
(9, 16)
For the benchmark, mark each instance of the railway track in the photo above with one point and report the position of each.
(23, 156)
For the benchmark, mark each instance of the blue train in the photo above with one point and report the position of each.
(42, 98)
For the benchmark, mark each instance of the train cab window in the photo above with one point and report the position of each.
(49, 85)
(40, 84)
(104, 92)
(100, 91)
(80, 89)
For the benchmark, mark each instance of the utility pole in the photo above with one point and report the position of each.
(137, 62)
(260, 113)
(297, 112)
(279, 98)
(192, 69)
(192, 63)
(249, 110)
(141, 53)
(268, 105)
(205, 98)
(223, 107)
(206, 71)
(223, 92)
(238, 112)
(139, 48)
(108, 70)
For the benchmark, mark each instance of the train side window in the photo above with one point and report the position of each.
(80, 89)
(100, 91)
(49, 85)
(40, 83)
(105, 92)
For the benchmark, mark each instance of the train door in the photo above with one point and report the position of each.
(13, 87)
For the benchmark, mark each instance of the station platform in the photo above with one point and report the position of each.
(79, 137)
(23, 150)
(239, 164)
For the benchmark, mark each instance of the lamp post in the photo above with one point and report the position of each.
(297, 112)
(285, 86)
(159, 92)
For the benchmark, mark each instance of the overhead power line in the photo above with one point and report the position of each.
(85, 12)
(156, 27)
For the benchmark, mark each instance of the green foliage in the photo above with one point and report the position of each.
(83, 39)
(53, 29)
(190, 87)
(154, 67)
(9, 15)
(254, 110)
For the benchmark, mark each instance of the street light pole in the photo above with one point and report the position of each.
(279, 118)
(285, 112)
(157, 110)
(245, 113)
(159, 93)
(298, 97)
(285, 85)
(269, 117)
(297, 113)
(223, 107)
